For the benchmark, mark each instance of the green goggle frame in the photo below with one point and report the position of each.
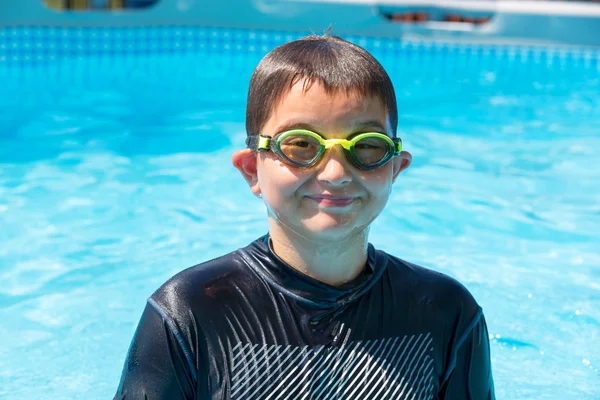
(302, 148)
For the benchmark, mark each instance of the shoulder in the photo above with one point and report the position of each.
(432, 289)
(196, 287)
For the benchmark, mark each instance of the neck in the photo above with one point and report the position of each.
(331, 262)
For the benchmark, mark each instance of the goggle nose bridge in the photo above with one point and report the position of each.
(345, 143)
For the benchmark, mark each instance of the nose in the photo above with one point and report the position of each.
(333, 169)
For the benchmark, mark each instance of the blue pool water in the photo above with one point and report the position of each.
(109, 186)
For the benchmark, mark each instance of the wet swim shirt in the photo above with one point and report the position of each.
(247, 326)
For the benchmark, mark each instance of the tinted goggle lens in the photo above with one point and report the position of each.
(370, 151)
(302, 149)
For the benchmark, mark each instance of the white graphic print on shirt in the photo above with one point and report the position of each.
(393, 368)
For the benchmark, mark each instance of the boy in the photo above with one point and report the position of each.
(311, 310)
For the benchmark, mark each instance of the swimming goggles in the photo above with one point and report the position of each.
(303, 149)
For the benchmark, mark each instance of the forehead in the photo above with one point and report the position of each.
(328, 111)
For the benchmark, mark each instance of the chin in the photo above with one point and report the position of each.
(332, 230)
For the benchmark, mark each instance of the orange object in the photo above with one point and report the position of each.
(421, 16)
(452, 18)
(407, 17)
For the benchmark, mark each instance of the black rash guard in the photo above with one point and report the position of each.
(248, 326)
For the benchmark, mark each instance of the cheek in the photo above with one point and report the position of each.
(277, 180)
(379, 182)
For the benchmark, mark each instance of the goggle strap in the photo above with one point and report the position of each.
(258, 142)
(397, 146)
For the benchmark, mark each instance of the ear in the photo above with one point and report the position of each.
(245, 161)
(401, 162)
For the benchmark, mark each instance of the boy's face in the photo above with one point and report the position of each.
(333, 199)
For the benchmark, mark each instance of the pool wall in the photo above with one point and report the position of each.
(523, 22)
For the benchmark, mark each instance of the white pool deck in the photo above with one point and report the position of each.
(524, 22)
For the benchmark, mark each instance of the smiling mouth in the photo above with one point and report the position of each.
(332, 201)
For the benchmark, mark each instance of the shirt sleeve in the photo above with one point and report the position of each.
(159, 363)
(469, 376)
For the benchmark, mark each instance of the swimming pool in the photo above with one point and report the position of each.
(108, 186)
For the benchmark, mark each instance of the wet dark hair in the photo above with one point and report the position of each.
(335, 63)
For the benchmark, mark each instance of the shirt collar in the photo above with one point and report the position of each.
(260, 256)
